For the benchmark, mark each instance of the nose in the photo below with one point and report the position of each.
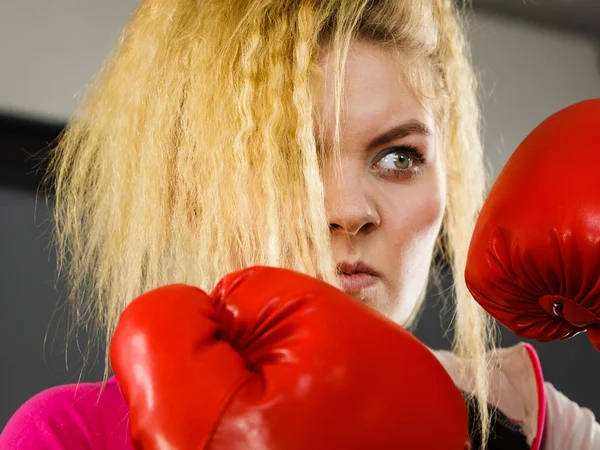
(350, 205)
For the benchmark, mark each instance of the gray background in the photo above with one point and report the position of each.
(534, 59)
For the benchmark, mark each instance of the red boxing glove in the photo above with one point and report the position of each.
(534, 258)
(273, 359)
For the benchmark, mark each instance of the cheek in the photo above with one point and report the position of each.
(413, 226)
(415, 216)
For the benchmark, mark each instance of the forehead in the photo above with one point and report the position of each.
(375, 94)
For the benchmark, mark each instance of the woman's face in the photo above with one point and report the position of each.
(385, 200)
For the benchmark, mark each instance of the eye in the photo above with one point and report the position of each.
(396, 160)
(401, 161)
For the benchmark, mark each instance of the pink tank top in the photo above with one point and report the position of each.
(71, 417)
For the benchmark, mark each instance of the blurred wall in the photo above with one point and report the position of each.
(527, 73)
(50, 49)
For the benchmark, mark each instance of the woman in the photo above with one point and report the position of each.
(336, 138)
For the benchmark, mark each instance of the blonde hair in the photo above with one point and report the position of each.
(194, 152)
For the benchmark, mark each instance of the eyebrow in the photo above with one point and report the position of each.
(400, 131)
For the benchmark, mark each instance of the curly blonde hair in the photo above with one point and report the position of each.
(194, 154)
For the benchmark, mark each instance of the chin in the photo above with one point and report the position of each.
(375, 297)
(363, 297)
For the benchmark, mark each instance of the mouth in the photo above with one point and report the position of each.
(354, 277)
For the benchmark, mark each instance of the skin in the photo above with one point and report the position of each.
(389, 219)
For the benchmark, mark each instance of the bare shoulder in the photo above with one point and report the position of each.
(516, 385)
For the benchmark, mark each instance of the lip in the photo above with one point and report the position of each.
(356, 276)
(356, 281)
